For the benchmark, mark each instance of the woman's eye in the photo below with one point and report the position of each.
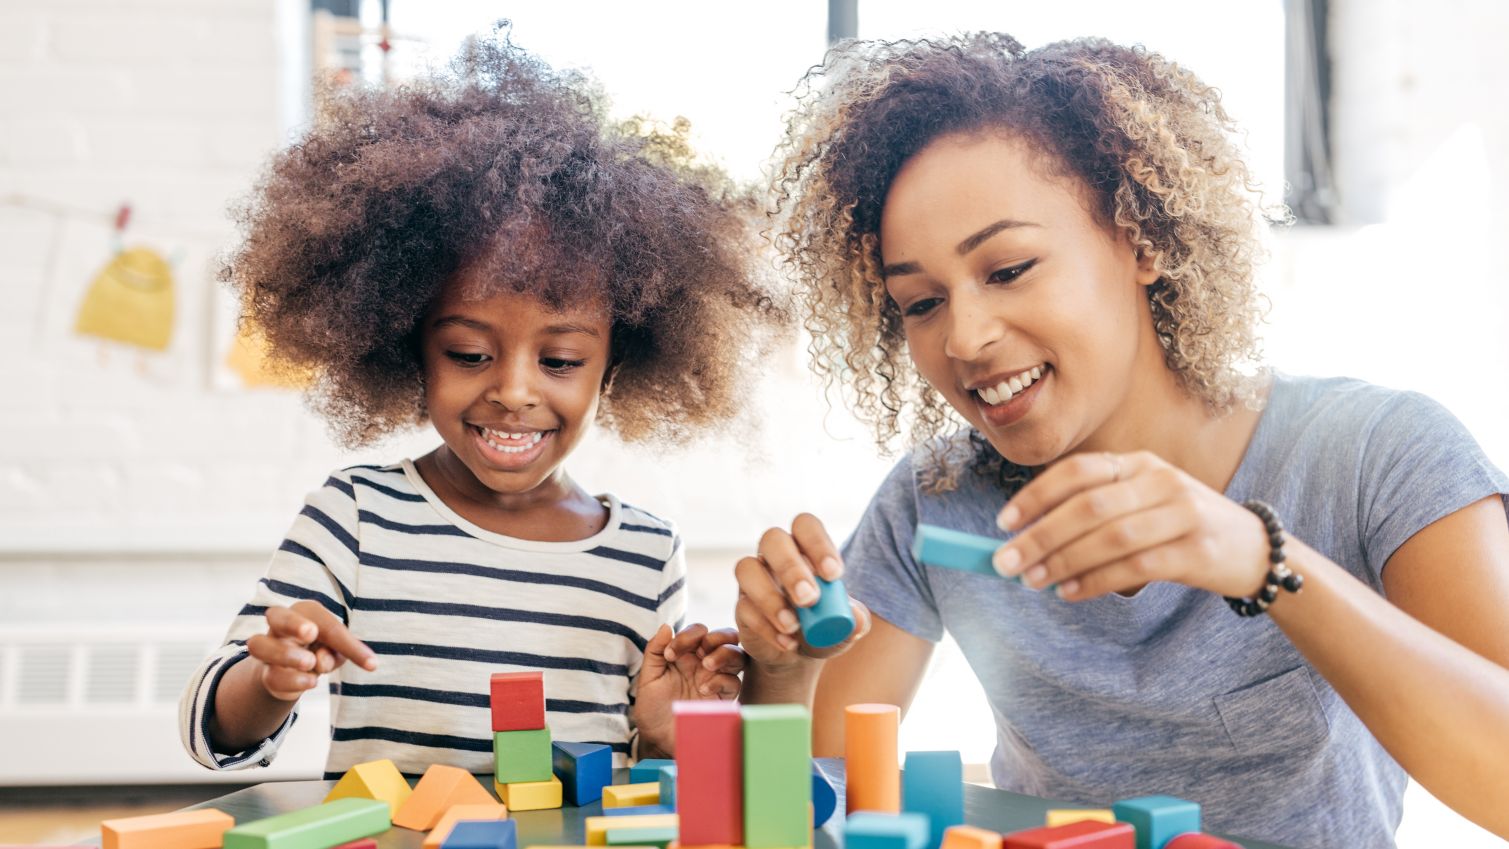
(465, 358)
(1010, 273)
(558, 364)
(922, 307)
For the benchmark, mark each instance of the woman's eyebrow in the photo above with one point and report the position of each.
(989, 230)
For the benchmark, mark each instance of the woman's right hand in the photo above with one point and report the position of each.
(779, 579)
(302, 643)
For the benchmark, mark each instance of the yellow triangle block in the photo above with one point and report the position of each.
(457, 813)
(441, 788)
(597, 827)
(1064, 816)
(379, 780)
(631, 795)
(530, 795)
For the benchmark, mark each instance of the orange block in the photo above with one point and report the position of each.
(872, 769)
(456, 813)
(441, 787)
(969, 837)
(204, 829)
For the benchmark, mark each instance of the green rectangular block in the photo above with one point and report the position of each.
(777, 776)
(522, 756)
(641, 836)
(319, 827)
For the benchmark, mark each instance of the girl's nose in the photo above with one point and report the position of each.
(514, 388)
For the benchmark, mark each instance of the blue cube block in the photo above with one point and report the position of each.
(648, 770)
(483, 834)
(636, 810)
(932, 783)
(873, 830)
(953, 549)
(831, 620)
(668, 786)
(824, 797)
(1158, 819)
(584, 770)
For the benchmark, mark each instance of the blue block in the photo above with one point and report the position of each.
(637, 809)
(648, 770)
(483, 834)
(1158, 819)
(668, 786)
(831, 620)
(932, 783)
(953, 549)
(584, 770)
(824, 798)
(873, 830)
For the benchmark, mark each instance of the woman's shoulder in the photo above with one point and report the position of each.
(1347, 410)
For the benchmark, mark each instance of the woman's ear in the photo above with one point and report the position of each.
(1149, 267)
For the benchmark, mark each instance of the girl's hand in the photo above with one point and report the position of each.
(1102, 523)
(693, 664)
(780, 576)
(302, 643)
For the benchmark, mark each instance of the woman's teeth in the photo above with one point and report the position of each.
(1003, 391)
(519, 441)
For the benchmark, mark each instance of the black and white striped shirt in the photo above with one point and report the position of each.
(444, 604)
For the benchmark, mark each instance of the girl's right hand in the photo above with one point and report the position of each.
(778, 578)
(302, 643)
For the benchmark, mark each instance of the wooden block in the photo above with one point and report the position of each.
(933, 784)
(518, 701)
(373, 780)
(330, 824)
(951, 549)
(873, 772)
(1064, 816)
(531, 795)
(596, 828)
(584, 770)
(642, 836)
(668, 786)
(1158, 819)
(1085, 834)
(457, 813)
(200, 829)
(831, 620)
(520, 756)
(648, 769)
(878, 830)
(824, 797)
(777, 776)
(627, 795)
(440, 788)
(483, 834)
(364, 843)
(1196, 840)
(710, 770)
(970, 837)
(637, 810)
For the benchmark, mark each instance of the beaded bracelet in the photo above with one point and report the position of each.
(1279, 574)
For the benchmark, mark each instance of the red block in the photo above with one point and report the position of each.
(1085, 834)
(518, 700)
(364, 843)
(709, 773)
(1196, 840)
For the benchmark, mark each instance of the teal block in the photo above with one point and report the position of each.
(875, 830)
(319, 827)
(932, 783)
(777, 776)
(522, 756)
(831, 620)
(641, 836)
(1158, 819)
(953, 549)
(668, 786)
(636, 810)
(648, 770)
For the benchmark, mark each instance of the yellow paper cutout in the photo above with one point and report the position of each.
(131, 301)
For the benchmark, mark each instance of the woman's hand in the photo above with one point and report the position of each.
(695, 663)
(1102, 523)
(781, 576)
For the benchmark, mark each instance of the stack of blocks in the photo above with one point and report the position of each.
(524, 766)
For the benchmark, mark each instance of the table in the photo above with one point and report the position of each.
(986, 807)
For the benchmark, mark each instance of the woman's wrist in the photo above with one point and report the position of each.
(784, 683)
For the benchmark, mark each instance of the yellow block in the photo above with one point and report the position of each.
(1064, 816)
(970, 837)
(373, 780)
(631, 795)
(455, 814)
(597, 827)
(530, 795)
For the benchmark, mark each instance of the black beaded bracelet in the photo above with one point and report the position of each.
(1279, 574)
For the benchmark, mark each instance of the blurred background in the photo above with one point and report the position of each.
(148, 468)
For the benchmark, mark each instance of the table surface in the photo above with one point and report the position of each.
(986, 807)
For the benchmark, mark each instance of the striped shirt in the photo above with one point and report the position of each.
(444, 604)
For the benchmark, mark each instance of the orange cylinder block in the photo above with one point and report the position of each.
(871, 766)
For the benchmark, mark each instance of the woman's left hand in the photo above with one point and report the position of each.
(1101, 523)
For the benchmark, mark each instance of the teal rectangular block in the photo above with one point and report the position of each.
(636, 810)
(319, 827)
(668, 786)
(951, 549)
(522, 756)
(932, 783)
(1158, 819)
(641, 836)
(777, 776)
(648, 770)
(875, 830)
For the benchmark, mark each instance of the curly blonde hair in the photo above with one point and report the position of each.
(1150, 142)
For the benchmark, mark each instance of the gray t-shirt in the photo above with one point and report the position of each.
(1168, 691)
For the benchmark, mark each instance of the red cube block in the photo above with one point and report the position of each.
(1085, 834)
(1197, 840)
(518, 701)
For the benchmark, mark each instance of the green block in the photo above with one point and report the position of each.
(777, 776)
(321, 826)
(522, 756)
(658, 836)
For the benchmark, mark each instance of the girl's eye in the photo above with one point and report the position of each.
(1010, 273)
(559, 365)
(465, 358)
(922, 307)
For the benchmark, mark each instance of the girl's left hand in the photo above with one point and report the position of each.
(675, 670)
(1102, 523)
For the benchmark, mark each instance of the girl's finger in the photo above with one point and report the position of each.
(280, 652)
(686, 641)
(654, 654)
(719, 637)
(287, 684)
(286, 622)
(724, 687)
(324, 660)
(1117, 539)
(728, 659)
(334, 633)
(757, 585)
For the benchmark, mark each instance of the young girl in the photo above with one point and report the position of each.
(1057, 247)
(480, 253)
